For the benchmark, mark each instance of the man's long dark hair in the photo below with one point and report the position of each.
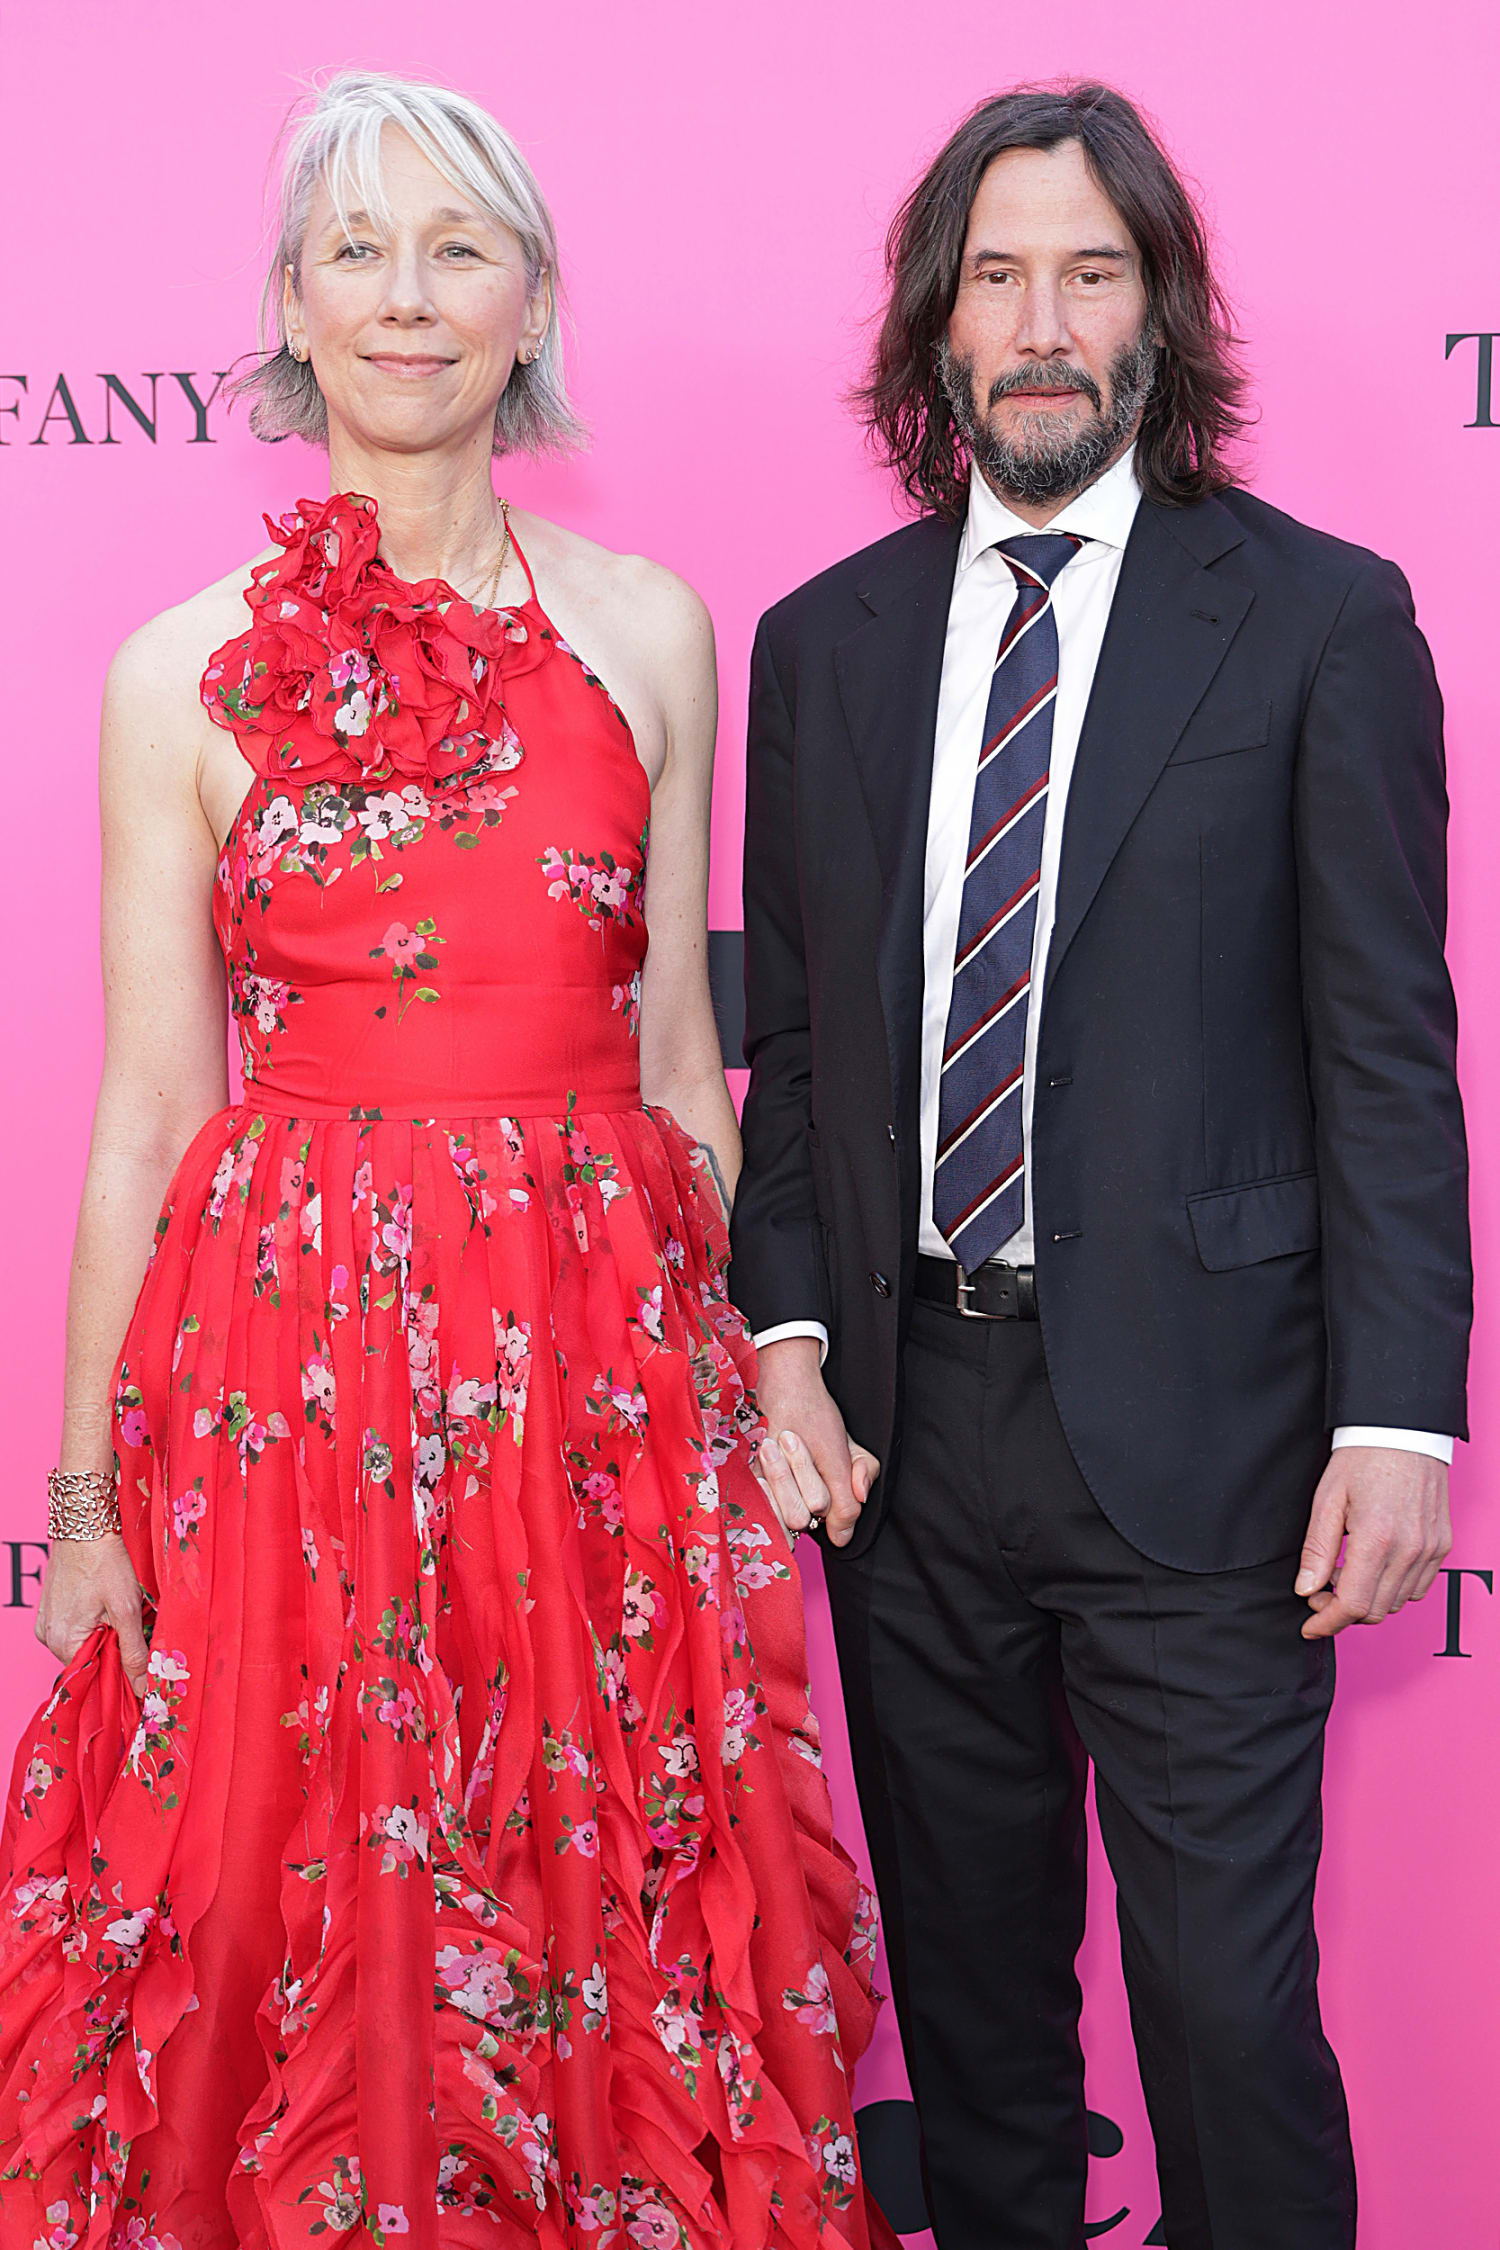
(1194, 410)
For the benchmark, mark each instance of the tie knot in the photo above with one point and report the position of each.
(1038, 556)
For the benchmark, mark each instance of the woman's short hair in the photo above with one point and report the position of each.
(1194, 410)
(335, 142)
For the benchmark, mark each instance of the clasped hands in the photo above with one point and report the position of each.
(1378, 1535)
(808, 1465)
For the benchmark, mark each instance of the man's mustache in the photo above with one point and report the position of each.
(1054, 375)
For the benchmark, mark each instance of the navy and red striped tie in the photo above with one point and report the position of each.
(979, 1189)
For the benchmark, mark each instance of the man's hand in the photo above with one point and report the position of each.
(809, 1464)
(1392, 1510)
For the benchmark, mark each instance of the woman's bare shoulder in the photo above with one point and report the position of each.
(655, 598)
(159, 666)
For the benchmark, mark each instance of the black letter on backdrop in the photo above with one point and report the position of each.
(115, 389)
(13, 406)
(1454, 1644)
(62, 397)
(17, 1574)
(200, 406)
(1486, 343)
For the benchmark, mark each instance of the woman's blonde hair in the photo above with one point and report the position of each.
(335, 142)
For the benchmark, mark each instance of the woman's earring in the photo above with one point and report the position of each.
(297, 352)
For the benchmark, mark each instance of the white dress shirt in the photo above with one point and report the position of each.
(984, 589)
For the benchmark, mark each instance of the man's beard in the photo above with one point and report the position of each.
(1042, 462)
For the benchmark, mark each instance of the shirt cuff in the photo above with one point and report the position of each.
(1399, 1441)
(786, 1328)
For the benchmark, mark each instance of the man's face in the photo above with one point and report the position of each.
(1048, 360)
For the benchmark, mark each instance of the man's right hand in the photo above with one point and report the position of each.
(809, 1463)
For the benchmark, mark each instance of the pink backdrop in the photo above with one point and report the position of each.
(722, 179)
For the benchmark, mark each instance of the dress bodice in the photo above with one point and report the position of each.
(431, 900)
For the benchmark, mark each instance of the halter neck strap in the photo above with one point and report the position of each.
(520, 554)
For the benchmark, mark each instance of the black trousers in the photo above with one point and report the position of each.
(998, 1635)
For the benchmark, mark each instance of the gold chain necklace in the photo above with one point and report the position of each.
(494, 580)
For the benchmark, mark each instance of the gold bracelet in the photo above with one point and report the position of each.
(83, 1503)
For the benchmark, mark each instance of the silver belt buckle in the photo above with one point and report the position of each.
(965, 1292)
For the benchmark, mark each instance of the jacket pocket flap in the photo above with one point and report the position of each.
(1217, 734)
(1268, 1219)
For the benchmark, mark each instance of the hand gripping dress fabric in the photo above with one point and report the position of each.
(466, 1876)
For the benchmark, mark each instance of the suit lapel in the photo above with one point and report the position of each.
(889, 671)
(1170, 627)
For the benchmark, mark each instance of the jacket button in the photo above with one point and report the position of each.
(880, 1285)
(891, 1134)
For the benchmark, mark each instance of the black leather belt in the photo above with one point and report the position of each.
(995, 1292)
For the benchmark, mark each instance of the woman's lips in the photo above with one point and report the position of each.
(400, 365)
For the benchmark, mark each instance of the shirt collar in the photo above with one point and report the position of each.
(1104, 512)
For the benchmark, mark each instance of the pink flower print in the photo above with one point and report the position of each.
(310, 1553)
(364, 1188)
(381, 814)
(838, 2159)
(627, 997)
(61, 2234)
(642, 1607)
(476, 1983)
(352, 718)
(469, 1397)
(395, 1234)
(312, 1221)
(399, 1711)
(128, 1931)
(404, 1832)
(680, 1757)
(739, 1718)
(276, 823)
(676, 2029)
(293, 1173)
(390, 2218)
(753, 1569)
(134, 2235)
(653, 2227)
(585, 1838)
(322, 825)
(318, 1386)
(401, 945)
(188, 1511)
(813, 2006)
(133, 1427)
(611, 889)
(349, 667)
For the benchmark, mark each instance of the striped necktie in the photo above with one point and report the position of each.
(979, 1189)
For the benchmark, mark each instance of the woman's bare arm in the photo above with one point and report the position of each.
(681, 1066)
(164, 1073)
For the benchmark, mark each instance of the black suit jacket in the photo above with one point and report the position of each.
(1248, 1164)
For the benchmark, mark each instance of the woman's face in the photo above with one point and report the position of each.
(412, 324)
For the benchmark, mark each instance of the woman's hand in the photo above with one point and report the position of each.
(90, 1582)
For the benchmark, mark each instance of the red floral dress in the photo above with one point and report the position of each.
(466, 1875)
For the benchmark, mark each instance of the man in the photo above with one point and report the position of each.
(1103, 1121)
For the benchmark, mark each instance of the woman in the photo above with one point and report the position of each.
(446, 1856)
